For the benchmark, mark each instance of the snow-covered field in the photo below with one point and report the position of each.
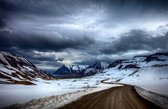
(11, 94)
(154, 79)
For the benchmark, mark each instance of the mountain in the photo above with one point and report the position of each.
(140, 62)
(15, 69)
(146, 71)
(63, 70)
(95, 68)
(70, 71)
(135, 63)
(79, 70)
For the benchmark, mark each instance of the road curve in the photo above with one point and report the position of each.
(123, 97)
(105, 82)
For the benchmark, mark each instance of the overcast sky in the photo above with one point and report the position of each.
(54, 32)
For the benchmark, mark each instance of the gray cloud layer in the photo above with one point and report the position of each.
(137, 40)
(42, 43)
(85, 29)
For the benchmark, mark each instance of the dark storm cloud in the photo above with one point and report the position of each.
(28, 41)
(2, 23)
(114, 8)
(2, 18)
(137, 40)
(41, 59)
(43, 7)
(53, 63)
(38, 59)
(51, 7)
(155, 4)
(121, 11)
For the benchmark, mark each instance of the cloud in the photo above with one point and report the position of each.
(41, 42)
(43, 7)
(137, 40)
(25, 44)
(81, 31)
(2, 23)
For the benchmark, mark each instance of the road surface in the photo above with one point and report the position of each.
(123, 97)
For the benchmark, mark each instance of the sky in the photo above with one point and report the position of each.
(51, 33)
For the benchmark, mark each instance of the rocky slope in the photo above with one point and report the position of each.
(18, 70)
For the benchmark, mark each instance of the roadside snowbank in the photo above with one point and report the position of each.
(160, 100)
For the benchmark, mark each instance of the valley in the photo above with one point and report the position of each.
(147, 72)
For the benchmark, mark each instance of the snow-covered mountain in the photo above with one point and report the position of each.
(147, 71)
(97, 67)
(70, 71)
(81, 70)
(18, 70)
(140, 62)
(135, 63)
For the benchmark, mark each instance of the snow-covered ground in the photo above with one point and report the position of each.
(152, 79)
(158, 99)
(11, 94)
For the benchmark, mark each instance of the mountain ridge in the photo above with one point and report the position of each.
(15, 69)
(136, 62)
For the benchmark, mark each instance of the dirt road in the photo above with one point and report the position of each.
(123, 97)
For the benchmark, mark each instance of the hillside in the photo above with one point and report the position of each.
(18, 70)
